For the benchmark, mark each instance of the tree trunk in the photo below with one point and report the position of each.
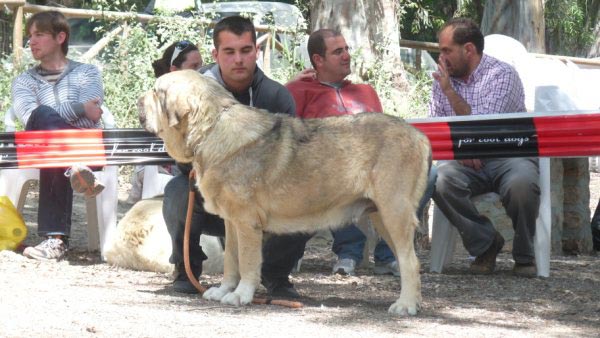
(350, 18)
(370, 28)
(594, 51)
(521, 20)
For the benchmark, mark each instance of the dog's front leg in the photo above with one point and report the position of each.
(249, 249)
(231, 274)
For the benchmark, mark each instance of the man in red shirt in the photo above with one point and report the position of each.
(325, 92)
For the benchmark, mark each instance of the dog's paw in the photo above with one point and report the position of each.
(215, 293)
(404, 308)
(231, 298)
(245, 291)
(242, 295)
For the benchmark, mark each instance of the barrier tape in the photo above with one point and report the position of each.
(507, 135)
(96, 147)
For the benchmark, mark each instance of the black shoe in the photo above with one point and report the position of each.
(527, 270)
(280, 288)
(486, 262)
(182, 284)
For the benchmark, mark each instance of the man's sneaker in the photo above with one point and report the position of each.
(50, 249)
(280, 288)
(182, 284)
(344, 266)
(390, 268)
(83, 181)
(486, 262)
(527, 270)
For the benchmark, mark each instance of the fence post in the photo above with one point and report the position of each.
(18, 36)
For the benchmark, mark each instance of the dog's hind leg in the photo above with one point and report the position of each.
(231, 274)
(249, 249)
(397, 228)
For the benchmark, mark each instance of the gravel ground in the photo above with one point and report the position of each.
(82, 296)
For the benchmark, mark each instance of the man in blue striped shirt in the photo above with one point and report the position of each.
(58, 93)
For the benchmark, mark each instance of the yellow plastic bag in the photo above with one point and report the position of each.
(12, 227)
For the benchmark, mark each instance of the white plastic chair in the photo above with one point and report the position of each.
(154, 182)
(101, 210)
(444, 236)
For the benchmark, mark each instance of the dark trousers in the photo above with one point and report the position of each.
(596, 228)
(516, 180)
(280, 252)
(56, 195)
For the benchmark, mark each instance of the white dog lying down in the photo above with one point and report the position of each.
(142, 242)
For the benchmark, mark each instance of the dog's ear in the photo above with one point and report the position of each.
(174, 98)
(149, 110)
(178, 108)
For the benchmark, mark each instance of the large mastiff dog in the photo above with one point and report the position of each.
(264, 172)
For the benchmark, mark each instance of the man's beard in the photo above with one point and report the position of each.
(460, 70)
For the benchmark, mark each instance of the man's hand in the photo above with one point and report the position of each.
(474, 163)
(442, 76)
(93, 110)
(458, 104)
(306, 74)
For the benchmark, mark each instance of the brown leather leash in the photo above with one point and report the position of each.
(186, 253)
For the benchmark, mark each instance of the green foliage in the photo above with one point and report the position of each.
(113, 5)
(127, 74)
(419, 94)
(568, 31)
(410, 102)
(289, 61)
(128, 71)
(421, 19)
(7, 73)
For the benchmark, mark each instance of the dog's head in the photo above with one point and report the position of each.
(181, 109)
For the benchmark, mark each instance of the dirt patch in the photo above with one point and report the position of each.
(82, 296)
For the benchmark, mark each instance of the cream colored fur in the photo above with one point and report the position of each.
(142, 242)
(273, 173)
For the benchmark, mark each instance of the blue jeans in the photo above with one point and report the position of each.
(349, 241)
(56, 195)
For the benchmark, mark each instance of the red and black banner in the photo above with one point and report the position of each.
(63, 148)
(489, 136)
(511, 135)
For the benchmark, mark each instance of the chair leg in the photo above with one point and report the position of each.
(542, 242)
(15, 184)
(102, 210)
(93, 219)
(154, 182)
(443, 241)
